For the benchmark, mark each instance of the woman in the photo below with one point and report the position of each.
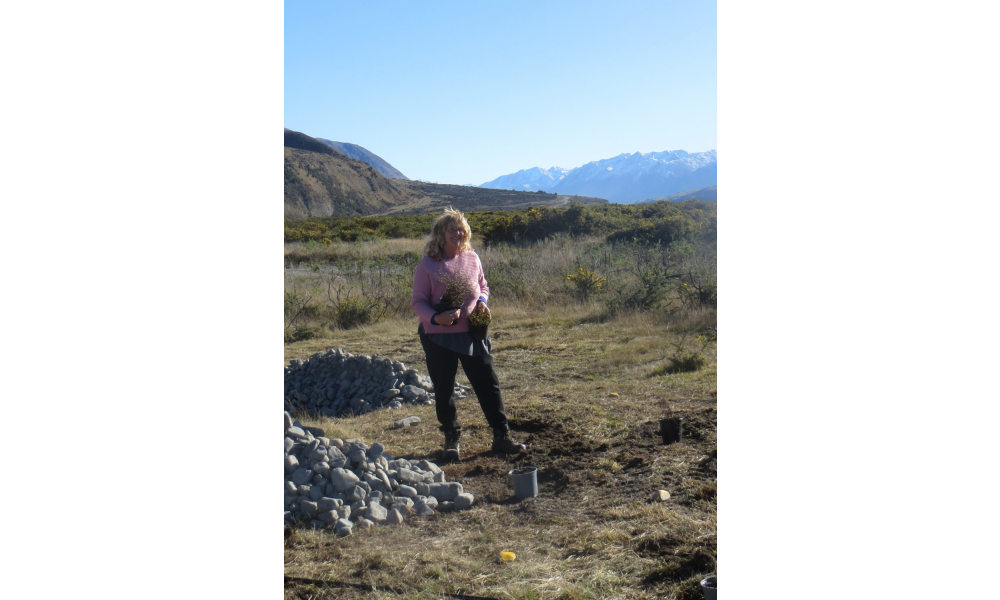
(450, 262)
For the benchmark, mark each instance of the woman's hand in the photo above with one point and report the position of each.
(481, 307)
(447, 318)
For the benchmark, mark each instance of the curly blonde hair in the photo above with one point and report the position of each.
(435, 241)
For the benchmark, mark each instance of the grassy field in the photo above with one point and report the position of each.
(585, 374)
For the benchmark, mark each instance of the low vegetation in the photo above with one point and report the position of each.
(664, 222)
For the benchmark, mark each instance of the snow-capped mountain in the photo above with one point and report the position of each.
(624, 178)
(528, 180)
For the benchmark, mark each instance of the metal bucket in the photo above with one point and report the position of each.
(709, 585)
(525, 482)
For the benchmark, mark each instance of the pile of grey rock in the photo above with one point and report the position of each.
(337, 383)
(342, 484)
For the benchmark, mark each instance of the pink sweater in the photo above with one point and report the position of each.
(428, 290)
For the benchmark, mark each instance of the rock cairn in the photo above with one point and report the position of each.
(337, 383)
(342, 484)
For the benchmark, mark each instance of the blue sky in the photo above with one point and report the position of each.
(463, 92)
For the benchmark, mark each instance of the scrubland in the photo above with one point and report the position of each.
(594, 339)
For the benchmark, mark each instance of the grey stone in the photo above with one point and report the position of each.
(395, 404)
(317, 524)
(422, 509)
(423, 489)
(337, 443)
(407, 422)
(364, 485)
(344, 512)
(376, 512)
(464, 501)
(430, 501)
(408, 476)
(429, 466)
(319, 453)
(316, 493)
(376, 450)
(661, 496)
(308, 507)
(289, 444)
(288, 420)
(357, 456)
(394, 517)
(445, 491)
(343, 479)
(384, 478)
(329, 504)
(295, 432)
(356, 494)
(301, 476)
(291, 463)
(365, 524)
(291, 488)
(440, 477)
(328, 516)
(391, 393)
(343, 530)
(358, 506)
(314, 431)
(321, 468)
(403, 501)
(305, 490)
(311, 448)
(407, 491)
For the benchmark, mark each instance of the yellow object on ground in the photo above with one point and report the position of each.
(614, 394)
(507, 556)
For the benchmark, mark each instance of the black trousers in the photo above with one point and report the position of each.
(442, 365)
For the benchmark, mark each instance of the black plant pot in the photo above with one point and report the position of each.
(479, 333)
(671, 429)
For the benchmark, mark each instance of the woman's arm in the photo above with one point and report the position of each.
(420, 301)
(484, 288)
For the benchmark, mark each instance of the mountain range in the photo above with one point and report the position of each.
(625, 178)
(321, 181)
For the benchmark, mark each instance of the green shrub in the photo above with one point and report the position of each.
(351, 312)
(685, 362)
(586, 282)
(300, 333)
(650, 293)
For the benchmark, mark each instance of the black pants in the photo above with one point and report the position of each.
(442, 365)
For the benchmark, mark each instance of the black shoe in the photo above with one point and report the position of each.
(504, 444)
(451, 445)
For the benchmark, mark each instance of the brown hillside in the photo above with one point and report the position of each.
(324, 185)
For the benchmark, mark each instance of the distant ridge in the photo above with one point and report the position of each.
(358, 153)
(301, 141)
(708, 193)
